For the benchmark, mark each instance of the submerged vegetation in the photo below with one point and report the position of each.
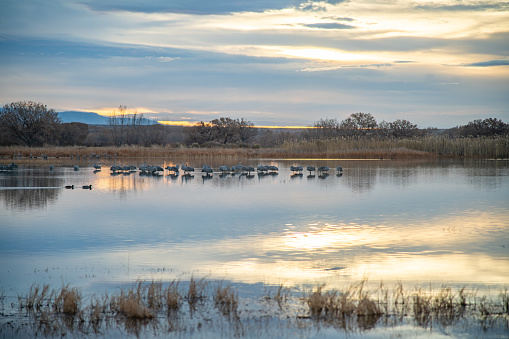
(173, 307)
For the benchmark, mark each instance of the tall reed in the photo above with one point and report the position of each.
(353, 148)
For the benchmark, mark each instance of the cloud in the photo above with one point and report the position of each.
(490, 63)
(334, 68)
(193, 6)
(329, 25)
(319, 6)
(338, 18)
(466, 8)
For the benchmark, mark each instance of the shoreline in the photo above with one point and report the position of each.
(22, 152)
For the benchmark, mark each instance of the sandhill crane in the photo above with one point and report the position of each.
(76, 168)
(207, 169)
(339, 169)
(262, 168)
(224, 169)
(323, 169)
(311, 169)
(249, 169)
(96, 166)
(173, 169)
(297, 169)
(186, 168)
(272, 168)
(238, 168)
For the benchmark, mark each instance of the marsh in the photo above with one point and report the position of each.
(411, 223)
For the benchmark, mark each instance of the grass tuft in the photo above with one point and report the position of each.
(226, 300)
(172, 296)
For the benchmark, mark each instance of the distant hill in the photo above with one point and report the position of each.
(89, 118)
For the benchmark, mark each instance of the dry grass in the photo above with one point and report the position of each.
(196, 290)
(68, 300)
(130, 302)
(226, 300)
(344, 148)
(172, 296)
(355, 300)
(355, 308)
(280, 294)
(36, 298)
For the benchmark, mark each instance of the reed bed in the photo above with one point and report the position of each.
(345, 148)
(355, 308)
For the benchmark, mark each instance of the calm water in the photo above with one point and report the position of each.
(444, 222)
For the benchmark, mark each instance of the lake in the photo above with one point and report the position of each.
(415, 223)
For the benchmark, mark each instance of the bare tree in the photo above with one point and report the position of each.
(327, 128)
(402, 128)
(223, 130)
(358, 124)
(246, 130)
(28, 123)
(125, 128)
(73, 133)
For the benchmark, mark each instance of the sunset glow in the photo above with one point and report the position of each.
(280, 63)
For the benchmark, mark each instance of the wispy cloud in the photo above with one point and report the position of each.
(192, 6)
(489, 63)
(478, 6)
(329, 25)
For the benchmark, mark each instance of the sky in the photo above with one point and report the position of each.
(273, 62)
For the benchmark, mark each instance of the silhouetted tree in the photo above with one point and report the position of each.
(73, 133)
(28, 123)
(223, 130)
(487, 127)
(246, 130)
(327, 128)
(125, 128)
(358, 124)
(402, 128)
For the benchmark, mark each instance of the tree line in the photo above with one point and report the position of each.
(33, 124)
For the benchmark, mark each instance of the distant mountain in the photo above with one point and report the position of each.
(89, 118)
(92, 118)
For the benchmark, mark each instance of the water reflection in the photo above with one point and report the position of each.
(38, 189)
(444, 221)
